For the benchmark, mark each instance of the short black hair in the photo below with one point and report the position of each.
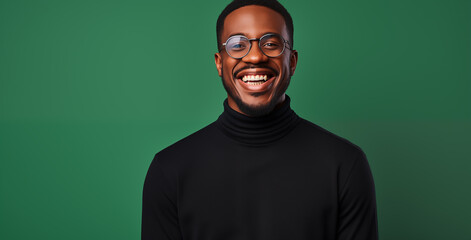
(272, 4)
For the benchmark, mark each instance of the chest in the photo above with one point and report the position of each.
(257, 189)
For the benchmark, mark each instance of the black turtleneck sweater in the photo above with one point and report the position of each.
(276, 177)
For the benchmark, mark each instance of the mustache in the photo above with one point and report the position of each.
(250, 66)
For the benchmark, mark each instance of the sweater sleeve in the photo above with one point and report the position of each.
(357, 216)
(159, 208)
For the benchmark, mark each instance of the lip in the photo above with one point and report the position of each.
(256, 71)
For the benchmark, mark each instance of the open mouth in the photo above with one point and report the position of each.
(254, 78)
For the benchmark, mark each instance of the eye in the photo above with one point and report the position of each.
(270, 45)
(237, 47)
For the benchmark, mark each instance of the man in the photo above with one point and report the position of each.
(259, 172)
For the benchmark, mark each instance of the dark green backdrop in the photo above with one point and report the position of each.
(91, 90)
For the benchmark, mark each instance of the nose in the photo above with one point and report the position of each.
(255, 54)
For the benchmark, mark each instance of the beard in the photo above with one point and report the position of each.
(254, 110)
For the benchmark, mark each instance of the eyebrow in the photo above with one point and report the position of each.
(239, 33)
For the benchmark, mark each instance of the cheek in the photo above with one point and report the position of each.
(285, 74)
(228, 68)
(286, 61)
(283, 66)
(286, 66)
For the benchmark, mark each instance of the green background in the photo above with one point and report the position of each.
(91, 90)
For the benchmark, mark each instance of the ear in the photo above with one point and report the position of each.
(218, 61)
(293, 61)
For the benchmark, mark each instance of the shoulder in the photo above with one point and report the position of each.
(345, 156)
(316, 135)
(185, 147)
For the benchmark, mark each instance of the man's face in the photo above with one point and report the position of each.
(248, 98)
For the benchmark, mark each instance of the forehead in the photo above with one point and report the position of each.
(253, 21)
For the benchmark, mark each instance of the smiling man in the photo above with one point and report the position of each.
(259, 171)
(258, 62)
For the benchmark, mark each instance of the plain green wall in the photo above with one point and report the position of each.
(91, 90)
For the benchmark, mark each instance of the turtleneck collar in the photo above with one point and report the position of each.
(258, 130)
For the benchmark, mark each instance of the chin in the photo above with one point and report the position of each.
(255, 110)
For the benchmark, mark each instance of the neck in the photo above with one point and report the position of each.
(260, 130)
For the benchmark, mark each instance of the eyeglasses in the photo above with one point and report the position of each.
(271, 45)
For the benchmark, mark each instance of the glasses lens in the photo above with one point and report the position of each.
(237, 46)
(272, 45)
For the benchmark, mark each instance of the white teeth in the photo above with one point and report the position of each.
(246, 78)
(255, 83)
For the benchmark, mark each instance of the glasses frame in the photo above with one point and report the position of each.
(257, 39)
